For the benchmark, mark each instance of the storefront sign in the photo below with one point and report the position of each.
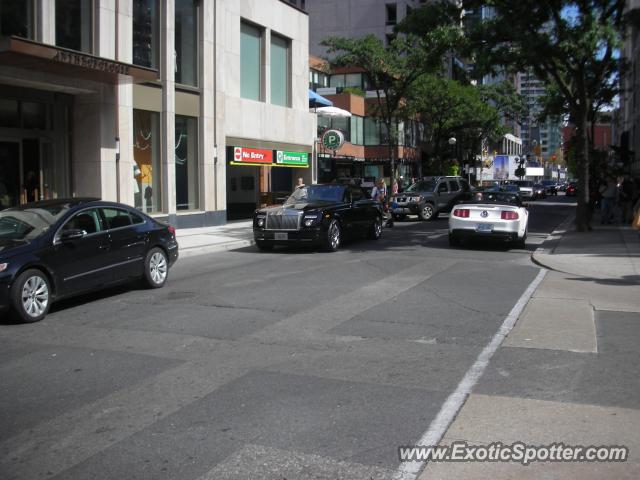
(292, 159)
(251, 156)
(332, 139)
(88, 61)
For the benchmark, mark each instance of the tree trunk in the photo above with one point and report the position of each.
(583, 210)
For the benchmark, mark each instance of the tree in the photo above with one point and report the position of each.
(570, 46)
(392, 70)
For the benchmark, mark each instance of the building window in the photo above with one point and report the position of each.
(145, 33)
(392, 13)
(357, 130)
(16, 18)
(186, 160)
(250, 60)
(280, 83)
(186, 38)
(147, 171)
(74, 25)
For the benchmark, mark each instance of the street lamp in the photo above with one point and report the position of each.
(452, 141)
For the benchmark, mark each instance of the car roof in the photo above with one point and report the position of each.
(71, 202)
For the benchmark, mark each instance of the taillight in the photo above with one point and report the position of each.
(172, 230)
(509, 215)
(461, 212)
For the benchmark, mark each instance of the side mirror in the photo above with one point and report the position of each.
(71, 234)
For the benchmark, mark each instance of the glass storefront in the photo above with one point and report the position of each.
(186, 163)
(186, 38)
(74, 20)
(145, 33)
(147, 171)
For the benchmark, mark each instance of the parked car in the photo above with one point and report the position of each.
(539, 191)
(318, 215)
(571, 190)
(550, 186)
(58, 248)
(431, 196)
(526, 188)
(497, 215)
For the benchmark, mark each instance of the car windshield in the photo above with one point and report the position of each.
(548, 182)
(524, 183)
(503, 198)
(512, 188)
(27, 224)
(317, 193)
(422, 186)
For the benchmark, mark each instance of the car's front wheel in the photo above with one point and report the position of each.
(156, 268)
(30, 296)
(375, 231)
(334, 236)
(427, 212)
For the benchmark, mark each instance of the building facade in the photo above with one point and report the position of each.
(193, 111)
(629, 117)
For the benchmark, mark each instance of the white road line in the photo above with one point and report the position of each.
(455, 401)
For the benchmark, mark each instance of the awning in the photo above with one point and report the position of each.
(316, 100)
(19, 52)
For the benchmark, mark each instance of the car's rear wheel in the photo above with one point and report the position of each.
(334, 236)
(30, 296)
(156, 268)
(375, 231)
(427, 212)
(264, 246)
(521, 243)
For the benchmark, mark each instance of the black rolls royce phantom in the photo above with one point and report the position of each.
(318, 215)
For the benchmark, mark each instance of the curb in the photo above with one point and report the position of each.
(551, 242)
(223, 247)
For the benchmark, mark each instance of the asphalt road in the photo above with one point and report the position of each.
(293, 364)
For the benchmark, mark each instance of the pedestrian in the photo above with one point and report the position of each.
(300, 183)
(379, 194)
(609, 193)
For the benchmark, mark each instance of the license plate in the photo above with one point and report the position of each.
(484, 227)
(280, 236)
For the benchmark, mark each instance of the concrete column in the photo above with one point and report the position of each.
(167, 121)
(125, 102)
(219, 69)
(208, 182)
(105, 26)
(46, 21)
(94, 153)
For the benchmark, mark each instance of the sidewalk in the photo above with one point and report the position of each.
(568, 371)
(196, 241)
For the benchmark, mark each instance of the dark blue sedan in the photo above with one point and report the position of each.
(59, 248)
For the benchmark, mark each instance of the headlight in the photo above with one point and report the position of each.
(260, 222)
(309, 221)
(3, 266)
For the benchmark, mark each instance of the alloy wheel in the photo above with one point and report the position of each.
(35, 296)
(158, 268)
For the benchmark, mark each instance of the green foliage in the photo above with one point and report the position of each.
(354, 91)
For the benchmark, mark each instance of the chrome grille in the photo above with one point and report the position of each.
(283, 221)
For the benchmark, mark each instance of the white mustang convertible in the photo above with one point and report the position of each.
(492, 214)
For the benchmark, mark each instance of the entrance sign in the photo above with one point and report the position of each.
(292, 159)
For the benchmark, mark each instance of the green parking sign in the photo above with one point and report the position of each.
(292, 159)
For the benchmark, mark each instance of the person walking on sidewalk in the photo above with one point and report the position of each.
(379, 194)
(609, 192)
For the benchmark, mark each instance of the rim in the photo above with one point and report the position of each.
(158, 268)
(35, 296)
(427, 211)
(377, 229)
(334, 235)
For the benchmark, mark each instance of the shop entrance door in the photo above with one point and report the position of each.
(9, 173)
(20, 172)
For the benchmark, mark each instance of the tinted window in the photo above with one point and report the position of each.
(135, 218)
(116, 217)
(317, 193)
(465, 186)
(453, 186)
(87, 220)
(424, 186)
(442, 187)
